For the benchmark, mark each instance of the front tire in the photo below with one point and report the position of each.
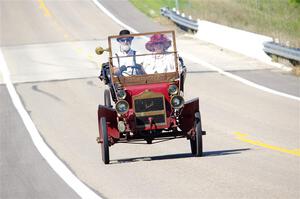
(104, 144)
(196, 142)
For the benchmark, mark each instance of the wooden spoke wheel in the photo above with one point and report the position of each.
(196, 142)
(104, 143)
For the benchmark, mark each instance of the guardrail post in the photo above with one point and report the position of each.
(187, 23)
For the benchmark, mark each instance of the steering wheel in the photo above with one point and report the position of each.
(137, 68)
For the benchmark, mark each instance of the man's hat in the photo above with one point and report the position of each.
(158, 38)
(124, 32)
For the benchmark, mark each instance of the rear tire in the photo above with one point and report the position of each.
(107, 101)
(149, 141)
(104, 144)
(196, 142)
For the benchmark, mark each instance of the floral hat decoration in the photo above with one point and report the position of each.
(158, 38)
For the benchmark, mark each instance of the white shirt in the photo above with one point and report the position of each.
(159, 63)
(120, 59)
(124, 58)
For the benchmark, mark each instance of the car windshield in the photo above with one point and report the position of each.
(148, 54)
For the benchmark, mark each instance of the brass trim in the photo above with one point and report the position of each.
(182, 105)
(149, 113)
(125, 103)
(176, 55)
(146, 79)
(148, 95)
(142, 34)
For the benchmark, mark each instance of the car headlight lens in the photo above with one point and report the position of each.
(173, 89)
(121, 126)
(122, 106)
(177, 101)
(121, 94)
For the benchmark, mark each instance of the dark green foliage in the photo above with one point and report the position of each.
(294, 1)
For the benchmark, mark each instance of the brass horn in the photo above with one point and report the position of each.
(100, 50)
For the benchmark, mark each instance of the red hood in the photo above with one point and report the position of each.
(157, 88)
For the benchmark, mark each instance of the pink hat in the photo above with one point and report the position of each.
(158, 38)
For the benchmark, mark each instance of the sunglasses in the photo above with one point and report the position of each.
(124, 40)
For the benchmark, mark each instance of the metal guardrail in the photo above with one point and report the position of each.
(269, 47)
(282, 51)
(180, 19)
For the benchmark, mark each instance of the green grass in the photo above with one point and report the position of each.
(279, 19)
(152, 7)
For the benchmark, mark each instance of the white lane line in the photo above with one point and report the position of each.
(201, 62)
(238, 78)
(57, 165)
(99, 5)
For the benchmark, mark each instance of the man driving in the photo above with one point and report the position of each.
(125, 58)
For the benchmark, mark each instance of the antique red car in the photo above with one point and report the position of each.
(145, 79)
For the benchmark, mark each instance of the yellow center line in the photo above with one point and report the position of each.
(44, 8)
(66, 35)
(243, 137)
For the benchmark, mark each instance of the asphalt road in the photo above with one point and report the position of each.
(24, 173)
(50, 55)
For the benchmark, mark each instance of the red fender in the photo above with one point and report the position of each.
(187, 116)
(111, 121)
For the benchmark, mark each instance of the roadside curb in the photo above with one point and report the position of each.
(240, 41)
